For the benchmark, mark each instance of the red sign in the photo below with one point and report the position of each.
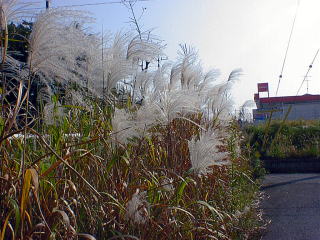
(263, 87)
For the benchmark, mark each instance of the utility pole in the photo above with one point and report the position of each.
(308, 80)
(47, 4)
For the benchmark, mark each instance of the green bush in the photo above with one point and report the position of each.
(292, 139)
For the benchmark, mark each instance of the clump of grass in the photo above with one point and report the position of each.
(176, 202)
(157, 160)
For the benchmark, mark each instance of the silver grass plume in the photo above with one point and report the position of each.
(53, 113)
(12, 10)
(204, 152)
(144, 47)
(77, 98)
(248, 104)
(55, 44)
(188, 65)
(137, 208)
(123, 126)
(168, 105)
(116, 66)
(176, 91)
(220, 102)
(244, 113)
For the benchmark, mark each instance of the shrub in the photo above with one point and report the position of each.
(296, 139)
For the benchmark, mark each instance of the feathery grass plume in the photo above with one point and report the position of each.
(83, 57)
(169, 105)
(137, 208)
(248, 104)
(150, 83)
(89, 65)
(220, 102)
(157, 165)
(12, 10)
(123, 126)
(55, 44)
(116, 65)
(142, 84)
(144, 47)
(244, 110)
(160, 80)
(13, 69)
(208, 80)
(126, 125)
(44, 95)
(163, 107)
(176, 91)
(52, 113)
(77, 98)
(214, 97)
(205, 152)
(157, 108)
(190, 69)
(188, 74)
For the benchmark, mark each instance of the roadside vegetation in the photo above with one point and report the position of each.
(100, 139)
(285, 140)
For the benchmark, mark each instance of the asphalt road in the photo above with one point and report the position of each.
(292, 204)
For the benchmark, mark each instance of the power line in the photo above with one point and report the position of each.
(288, 45)
(309, 69)
(89, 4)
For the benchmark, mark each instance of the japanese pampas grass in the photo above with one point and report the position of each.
(129, 148)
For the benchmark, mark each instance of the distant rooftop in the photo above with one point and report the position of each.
(290, 99)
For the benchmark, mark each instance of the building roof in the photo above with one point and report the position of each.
(291, 99)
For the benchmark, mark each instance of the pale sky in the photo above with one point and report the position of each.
(229, 34)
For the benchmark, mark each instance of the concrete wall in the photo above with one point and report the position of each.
(292, 165)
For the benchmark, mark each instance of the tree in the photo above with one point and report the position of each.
(18, 35)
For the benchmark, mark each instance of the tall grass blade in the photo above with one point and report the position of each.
(25, 193)
(5, 224)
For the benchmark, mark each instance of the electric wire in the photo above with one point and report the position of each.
(309, 69)
(288, 45)
(88, 4)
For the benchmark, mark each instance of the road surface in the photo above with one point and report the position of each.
(292, 204)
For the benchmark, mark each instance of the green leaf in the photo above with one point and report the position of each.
(180, 190)
(212, 209)
(17, 214)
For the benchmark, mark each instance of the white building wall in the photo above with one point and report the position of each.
(299, 111)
